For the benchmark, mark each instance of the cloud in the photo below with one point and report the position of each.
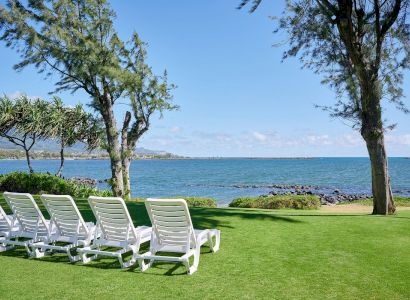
(265, 143)
(259, 136)
(403, 139)
(175, 129)
(353, 140)
(318, 140)
(18, 94)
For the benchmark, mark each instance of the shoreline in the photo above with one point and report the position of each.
(170, 158)
(190, 158)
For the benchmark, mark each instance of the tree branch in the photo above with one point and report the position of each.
(391, 18)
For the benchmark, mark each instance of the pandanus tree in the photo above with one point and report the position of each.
(76, 40)
(361, 48)
(21, 122)
(71, 125)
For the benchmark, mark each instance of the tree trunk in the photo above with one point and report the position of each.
(60, 169)
(383, 203)
(113, 146)
(126, 163)
(373, 133)
(126, 155)
(30, 168)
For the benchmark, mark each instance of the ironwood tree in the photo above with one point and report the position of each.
(361, 47)
(76, 40)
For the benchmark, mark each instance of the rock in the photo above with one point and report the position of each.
(84, 181)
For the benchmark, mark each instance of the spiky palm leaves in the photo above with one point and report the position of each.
(23, 121)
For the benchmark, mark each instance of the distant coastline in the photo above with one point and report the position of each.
(15, 154)
(162, 158)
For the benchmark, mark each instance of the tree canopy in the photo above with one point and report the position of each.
(22, 122)
(361, 49)
(77, 41)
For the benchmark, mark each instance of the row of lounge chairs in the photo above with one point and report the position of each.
(66, 231)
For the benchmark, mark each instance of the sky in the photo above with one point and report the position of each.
(236, 96)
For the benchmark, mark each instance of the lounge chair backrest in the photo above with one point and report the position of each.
(113, 218)
(28, 214)
(5, 222)
(65, 215)
(171, 222)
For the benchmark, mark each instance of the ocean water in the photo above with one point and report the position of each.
(223, 179)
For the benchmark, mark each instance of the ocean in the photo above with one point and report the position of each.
(226, 179)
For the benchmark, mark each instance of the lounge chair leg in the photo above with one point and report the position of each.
(36, 252)
(141, 261)
(4, 247)
(192, 269)
(133, 259)
(73, 258)
(217, 234)
(86, 259)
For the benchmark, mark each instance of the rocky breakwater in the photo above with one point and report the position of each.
(327, 196)
(84, 181)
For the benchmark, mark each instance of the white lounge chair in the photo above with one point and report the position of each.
(172, 231)
(69, 225)
(33, 226)
(8, 225)
(117, 230)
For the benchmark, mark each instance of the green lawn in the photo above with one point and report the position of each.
(264, 254)
(399, 201)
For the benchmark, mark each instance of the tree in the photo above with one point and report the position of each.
(76, 40)
(361, 47)
(21, 122)
(69, 125)
(148, 94)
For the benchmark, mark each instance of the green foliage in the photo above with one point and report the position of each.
(39, 183)
(199, 201)
(23, 116)
(62, 37)
(24, 120)
(191, 201)
(278, 202)
(70, 125)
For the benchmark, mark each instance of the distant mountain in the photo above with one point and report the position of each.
(143, 151)
(52, 146)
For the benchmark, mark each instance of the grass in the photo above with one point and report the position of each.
(265, 254)
(399, 201)
(278, 202)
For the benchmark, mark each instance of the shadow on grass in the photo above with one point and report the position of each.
(106, 263)
(218, 217)
(201, 217)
